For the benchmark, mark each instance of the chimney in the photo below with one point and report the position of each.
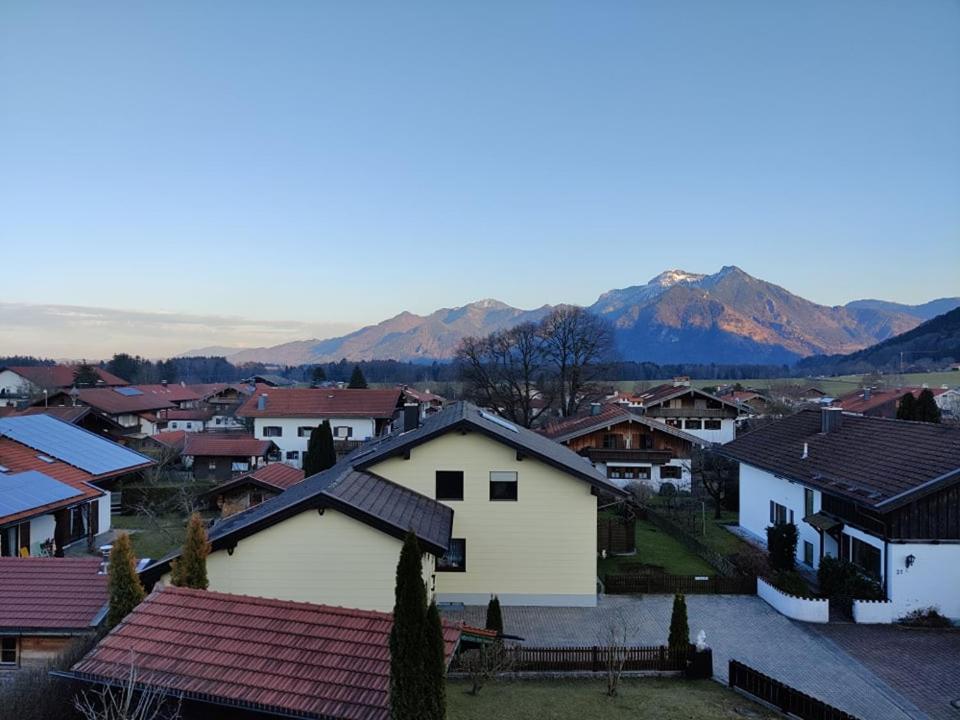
(163, 382)
(831, 418)
(411, 416)
(262, 402)
(595, 408)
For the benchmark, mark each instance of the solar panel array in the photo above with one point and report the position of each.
(70, 444)
(128, 391)
(29, 490)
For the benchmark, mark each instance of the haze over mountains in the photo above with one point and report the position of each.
(726, 317)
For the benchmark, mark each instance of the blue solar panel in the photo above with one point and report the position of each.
(128, 391)
(31, 489)
(70, 444)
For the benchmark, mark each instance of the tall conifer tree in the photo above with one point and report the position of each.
(126, 591)
(190, 570)
(408, 655)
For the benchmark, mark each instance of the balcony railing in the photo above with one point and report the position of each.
(692, 412)
(605, 455)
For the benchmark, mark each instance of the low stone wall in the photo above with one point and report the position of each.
(873, 611)
(798, 608)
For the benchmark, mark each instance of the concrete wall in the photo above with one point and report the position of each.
(362, 429)
(758, 488)
(873, 611)
(932, 580)
(805, 609)
(330, 559)
(538, 550)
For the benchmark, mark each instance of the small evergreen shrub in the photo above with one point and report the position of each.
(842, 579)
(928, 617)
(782, 546)
(791, 583)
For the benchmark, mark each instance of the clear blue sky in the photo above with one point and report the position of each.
(341, 161)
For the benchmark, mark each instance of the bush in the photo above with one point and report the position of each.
(640, 492)
(929, 617)
(668, 489)
(751, 561)
(791, 583)
(782, 546)
(842, 579)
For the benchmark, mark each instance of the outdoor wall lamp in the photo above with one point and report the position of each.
(910, 560)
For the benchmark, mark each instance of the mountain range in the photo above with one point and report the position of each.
(727, 317)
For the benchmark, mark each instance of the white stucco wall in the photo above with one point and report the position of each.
(363, 429)
(805, 609)
(726, 433)
(13, 384)
(932, 580)
(873, 611)
(758, 488)
(186, 425)
(654, 481)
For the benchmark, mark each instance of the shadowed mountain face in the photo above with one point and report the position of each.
(727, 317)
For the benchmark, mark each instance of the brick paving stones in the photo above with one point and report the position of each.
(738, 627)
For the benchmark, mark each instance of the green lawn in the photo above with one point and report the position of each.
(637, 699)
(150, 539)
(655, 547)
(716, 537)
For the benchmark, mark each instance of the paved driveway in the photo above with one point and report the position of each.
(922, 664)
(740, 627)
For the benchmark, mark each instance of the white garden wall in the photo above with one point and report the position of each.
(873, 611)
(798, 608)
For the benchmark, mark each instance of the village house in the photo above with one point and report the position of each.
(223, 399)
(127, 406)
(24, 384)
(45, 605)
(318, 661)
(178, 394)
(628, 447)
(288, 416)
(427, 401)
(218, 456)
(55, 482)
(683, 407)
(885, 403)
(189, 420)
(252, 488)
(82, 416)
(883, 494)
(497, 509)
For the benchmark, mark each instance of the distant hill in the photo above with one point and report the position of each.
(936, 340)
(728, 317)
(926, 311)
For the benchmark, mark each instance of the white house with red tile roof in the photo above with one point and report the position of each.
(20, 383)
(288, 416)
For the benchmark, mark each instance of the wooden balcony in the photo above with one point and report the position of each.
(606, 455)
(692, 412)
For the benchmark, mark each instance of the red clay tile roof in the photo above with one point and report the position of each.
(856, 401)
(51, 593)
(186, 414)
(874, 461)
(323, 402)
(224, 445)
(18, 458)
(59, 376)
(109, 401)
(172, 392)
(278, 475)
(312, 661)
(173, 438)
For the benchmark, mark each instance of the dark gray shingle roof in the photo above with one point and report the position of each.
(874, 461)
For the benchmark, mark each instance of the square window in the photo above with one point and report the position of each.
(272, 431)
(711, 425)
(293, 454)
(808, 553)
(8, 651)
(670, 472)
(343, 432)
(455, 559)
(304, 431)
(449, 485)
(694, 425)
(503, 485)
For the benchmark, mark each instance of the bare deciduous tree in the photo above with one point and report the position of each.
(485, 663)
(577, 344)
(714, 471)
(614, 642)
(505, 371)
(127, 702)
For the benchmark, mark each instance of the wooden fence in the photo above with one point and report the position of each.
(789, 700)
(587, 659)
(616, 534)
(638, 583)
(666, 525)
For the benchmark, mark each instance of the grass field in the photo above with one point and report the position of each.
(655, 547)
(638, 699)
(150, 539)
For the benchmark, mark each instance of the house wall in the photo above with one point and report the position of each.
(932, 580)
(538, 550)
(186, 425)
(363, 429)
(330, 559)
(654, 481)
(758, 488)
(13, 384)
(38, 651)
